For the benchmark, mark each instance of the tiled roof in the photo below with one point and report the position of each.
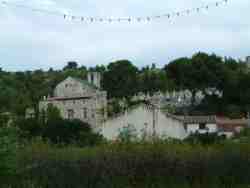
(231, 125)
(66, 98)
(199, 119)
(227, 121)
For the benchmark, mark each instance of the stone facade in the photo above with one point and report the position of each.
(79, 99)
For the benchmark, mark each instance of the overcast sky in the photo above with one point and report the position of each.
(31, 40)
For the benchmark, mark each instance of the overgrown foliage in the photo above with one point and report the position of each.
(8, 152)
(122, 79)
(158, 164)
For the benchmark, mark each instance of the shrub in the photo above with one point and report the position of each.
(8, 149)
(233, 111)
(149, 165)
(70, 132)
(127, 134)
(204, 139)
(29, 128)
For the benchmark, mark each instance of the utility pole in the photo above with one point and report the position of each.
(153, 108)
(154, 121)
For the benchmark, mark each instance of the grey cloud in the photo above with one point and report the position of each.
(33, 40)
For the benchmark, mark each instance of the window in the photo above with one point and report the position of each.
(70, 114)
(85, 113)
(202, 126)
(92, 78)
(93, 113)
(185, 127)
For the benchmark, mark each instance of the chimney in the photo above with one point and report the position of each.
(95, 79)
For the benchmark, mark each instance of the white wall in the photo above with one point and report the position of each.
(192, 128)
(142, 119)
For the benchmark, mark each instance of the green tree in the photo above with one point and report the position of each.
(28, 128)
(198, 73)
(151, 80)
(120, 79)
(52, 113)
(61, 131)
(71, 65)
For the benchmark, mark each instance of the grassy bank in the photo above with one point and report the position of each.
(146, 165)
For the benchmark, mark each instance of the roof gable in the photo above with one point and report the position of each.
(85, 83)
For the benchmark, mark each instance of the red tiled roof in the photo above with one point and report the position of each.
(66, 98)
(231, 125)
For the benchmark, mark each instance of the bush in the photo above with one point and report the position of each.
(233, 111)
(29, 128)
(147, 165)
(8, 149)
(127, 134)
(204, 139)
(70, 132)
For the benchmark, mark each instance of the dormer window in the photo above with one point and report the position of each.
(66, 85)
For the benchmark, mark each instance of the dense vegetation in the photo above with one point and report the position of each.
(122, 79)
(155, 164)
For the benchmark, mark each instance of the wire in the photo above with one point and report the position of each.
(118, 19)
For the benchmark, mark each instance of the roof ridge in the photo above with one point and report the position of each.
(82, 81)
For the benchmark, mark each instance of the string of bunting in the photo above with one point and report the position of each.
(118, 19)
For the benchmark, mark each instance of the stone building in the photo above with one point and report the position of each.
(168, 125)
(79, 99)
